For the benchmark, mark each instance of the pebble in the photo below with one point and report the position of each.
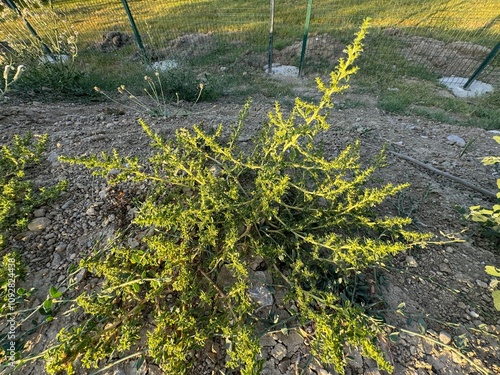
(90, 211)
(482, 284)
(53, 157)
(411, 262)
(61, 247)
(279, 352)
(456, 140)
(473, 314)
(56, 261)
(444, 337)
(67, 204)
(39, 212)
(261, 295)
(38, 224)
(443, 267)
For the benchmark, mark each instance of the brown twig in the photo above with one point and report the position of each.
(445, 174)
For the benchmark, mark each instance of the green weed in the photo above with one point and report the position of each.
(212, 210)
(18, 196)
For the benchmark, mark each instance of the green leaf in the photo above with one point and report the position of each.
(422, 326)
(139, 363)
(54, 293)
(394, 337)
(47, 305)
(496, 299)
(493, 271)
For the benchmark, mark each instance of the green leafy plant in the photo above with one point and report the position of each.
(490, 218)
(18, 195)
(493, 271)
(157, 101)
(212, 210)
(174, 85)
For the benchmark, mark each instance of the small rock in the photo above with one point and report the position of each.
(411, 262)
(456, 140)
(473, 314)
(284, 365)
(267, 340)
(293, 341)
(38, 224)
(482, 284)
(39, 213)
(80, 275)
(67, 204)
(443, 267)
(61, 247)
(356, 360)
(279, 352)
(261, 295)
(53, 157)
(133, 243)
(56, 261)
(90, 211)
(444, 337)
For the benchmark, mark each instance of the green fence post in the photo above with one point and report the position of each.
(14, 7)
(483, 65)
(134, 29)
(271, 39)
(304, 39)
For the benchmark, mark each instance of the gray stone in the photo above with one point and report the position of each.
(482, 284)
(293, 341)
(56, 261)
(67, 204)
(456, 140)
(39, 212)
(279, 352)
(260, 294)
(53, 157)
(90, 211)
(411, 262)
(61, 247)
(443, 267)
(473, 314)
(38, 224)
(267, 340)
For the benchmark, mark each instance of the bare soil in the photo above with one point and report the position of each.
(443, 286)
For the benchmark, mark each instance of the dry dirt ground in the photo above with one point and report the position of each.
(444, 287)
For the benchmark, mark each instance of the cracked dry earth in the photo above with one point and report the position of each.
(442, 286)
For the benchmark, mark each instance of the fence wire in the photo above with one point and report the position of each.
(448, 37)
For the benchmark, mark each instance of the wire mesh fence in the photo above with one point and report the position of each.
(447, 37)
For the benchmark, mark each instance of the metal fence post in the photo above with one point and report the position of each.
(134, 29)
(483, 65)
(13, 6)
(271, 39)
(304, 39)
